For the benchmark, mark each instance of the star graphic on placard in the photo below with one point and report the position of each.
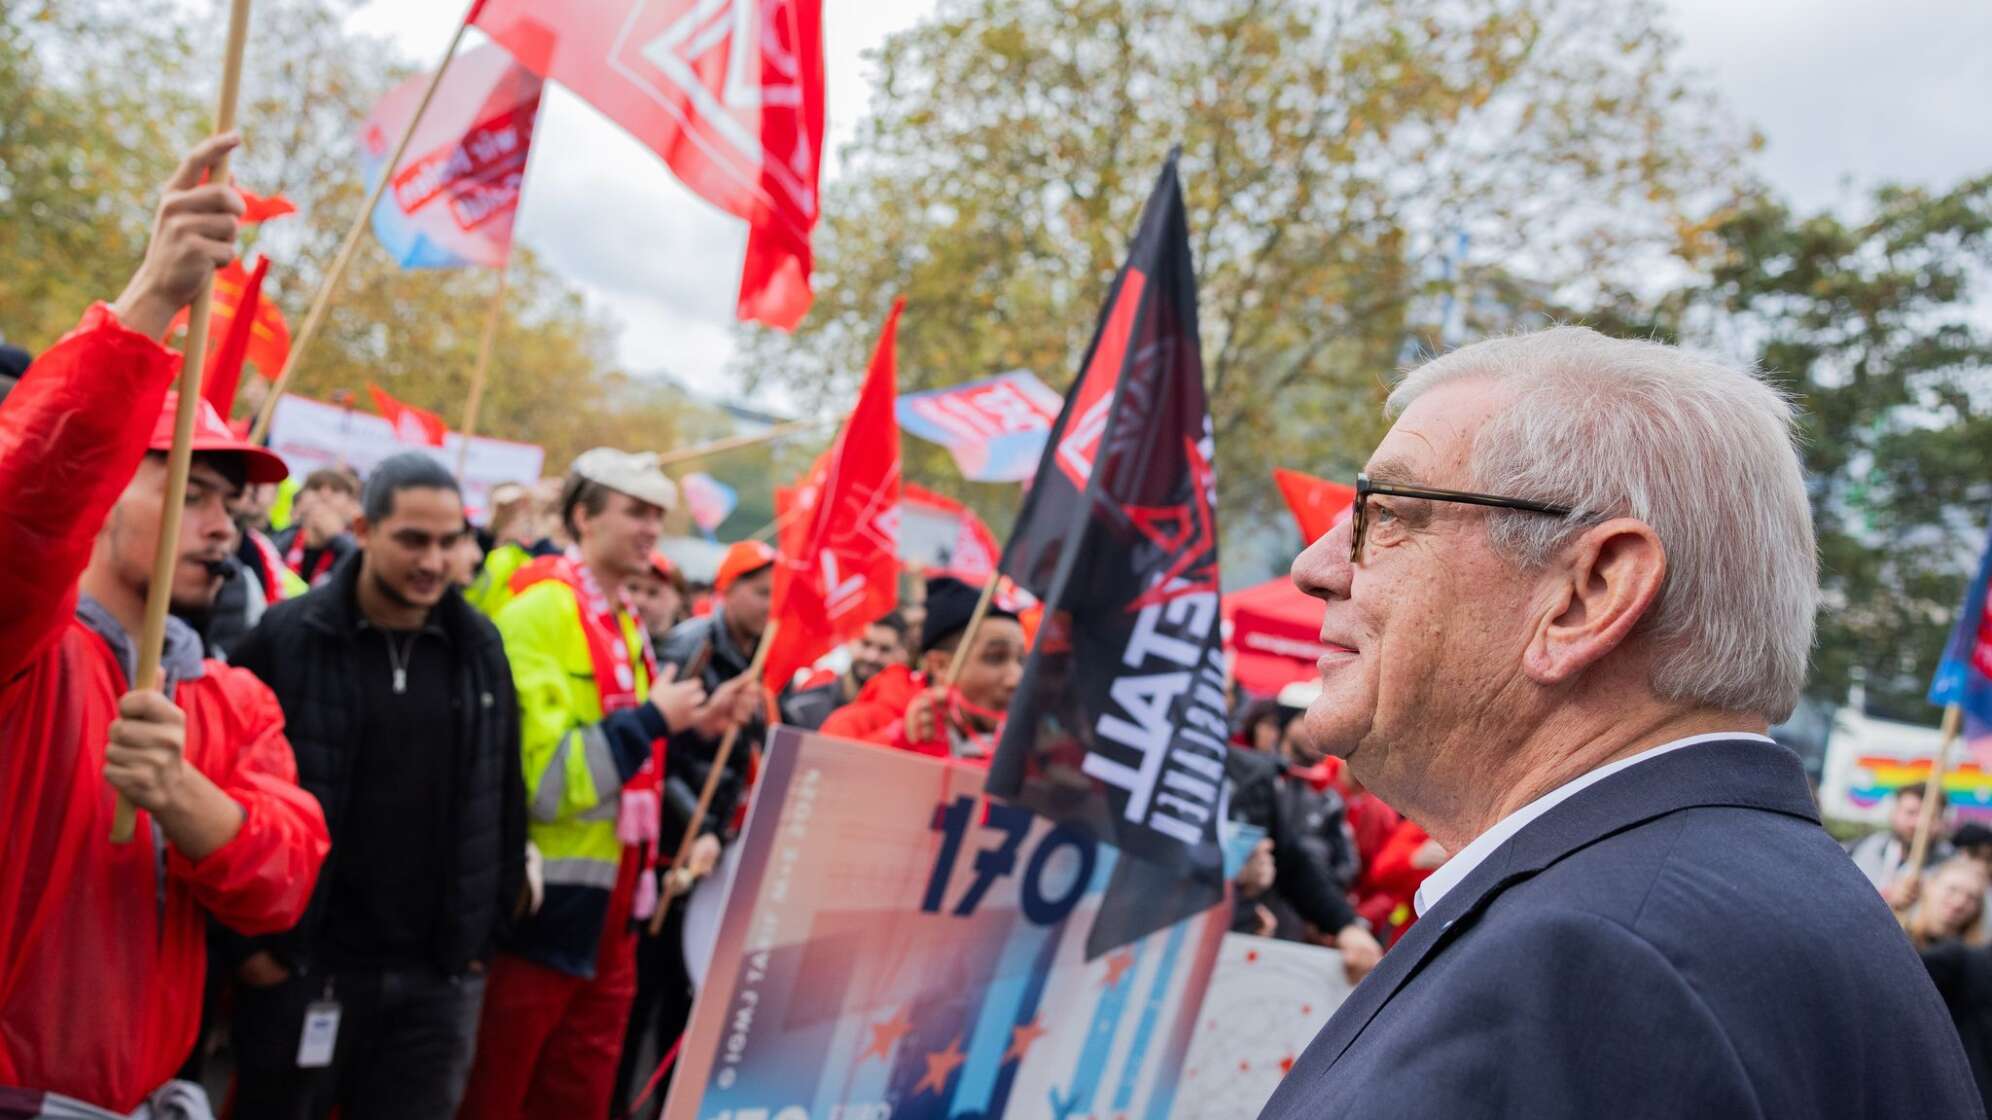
(885, 1034)
(1021, 1039)
(941, 1066)
(1117, 966)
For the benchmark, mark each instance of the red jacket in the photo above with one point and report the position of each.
(1390, 884)
(878, 716)
(101, 964)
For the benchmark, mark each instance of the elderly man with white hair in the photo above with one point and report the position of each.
(1577, 588)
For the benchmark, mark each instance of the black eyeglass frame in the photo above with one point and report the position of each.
(1359, 519)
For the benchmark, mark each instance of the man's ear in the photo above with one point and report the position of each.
(1600, 587)
(361, 530)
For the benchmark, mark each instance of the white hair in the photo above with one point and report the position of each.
(1701, 451)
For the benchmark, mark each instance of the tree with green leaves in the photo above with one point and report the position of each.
(1876, 325)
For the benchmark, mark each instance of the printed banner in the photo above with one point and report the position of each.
(995, 428)
(710, 501)
(937, 532)
(1267, 1001)
(309, 434)
(896, 945)
(453, 197)
(1859, 781)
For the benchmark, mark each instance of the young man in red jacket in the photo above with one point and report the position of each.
(908, 710)
(101, 944)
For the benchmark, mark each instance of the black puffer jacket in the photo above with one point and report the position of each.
(304, 649)
(688, 756)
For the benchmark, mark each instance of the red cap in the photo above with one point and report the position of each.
(661, 564)
(743, 559)
(212, 435)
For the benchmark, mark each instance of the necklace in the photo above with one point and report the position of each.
(399, 657)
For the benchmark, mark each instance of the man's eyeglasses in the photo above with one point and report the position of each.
(1364, 488)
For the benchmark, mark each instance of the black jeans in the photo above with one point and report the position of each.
(405, 1043)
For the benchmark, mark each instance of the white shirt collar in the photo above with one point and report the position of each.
(1452, 872)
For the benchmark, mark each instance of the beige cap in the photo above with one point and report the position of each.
(634, 473)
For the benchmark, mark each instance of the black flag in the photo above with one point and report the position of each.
(1120, 722)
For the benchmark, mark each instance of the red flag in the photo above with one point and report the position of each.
(266, 344)
(262, 209)
(729, 92)
(1317, 503)
(224, 369)
(839, 566)
(411, 424)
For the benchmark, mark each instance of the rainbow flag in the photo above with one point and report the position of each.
(1877, 777)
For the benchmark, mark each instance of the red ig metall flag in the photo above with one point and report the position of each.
(729, 92)
(839, 545)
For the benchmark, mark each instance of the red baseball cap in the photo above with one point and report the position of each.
(212, 435)
(661, 564)
(743, 559)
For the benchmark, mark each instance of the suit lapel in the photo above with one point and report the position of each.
(1738, 773)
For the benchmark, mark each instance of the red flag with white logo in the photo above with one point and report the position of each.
(411, 424)
(839, 545)
(729, 92)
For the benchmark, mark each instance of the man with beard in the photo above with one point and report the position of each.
(401, 709)
(883, 643)
(913, 711)
(103, 942)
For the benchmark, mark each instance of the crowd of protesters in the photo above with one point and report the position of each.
(415, 783)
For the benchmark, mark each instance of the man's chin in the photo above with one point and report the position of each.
(197, 599)
(1327, 735)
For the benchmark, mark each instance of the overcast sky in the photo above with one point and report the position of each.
(1846, 92)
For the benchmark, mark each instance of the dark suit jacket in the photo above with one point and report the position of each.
(1681, 939)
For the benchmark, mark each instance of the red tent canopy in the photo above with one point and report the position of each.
(1275, 635)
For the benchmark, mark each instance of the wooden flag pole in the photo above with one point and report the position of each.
(329, 286)
(483, 370)
(1932, 787)
(719, 761)
(960, 658)
(193, 361)
(734, 443)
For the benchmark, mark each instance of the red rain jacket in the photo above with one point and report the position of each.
(878, 715)
(101, 963)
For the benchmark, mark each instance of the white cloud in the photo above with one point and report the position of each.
(1846, 90)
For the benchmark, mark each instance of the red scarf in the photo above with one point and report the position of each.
(637, 816)
(273, 584)
(294, 560)
(601, 624)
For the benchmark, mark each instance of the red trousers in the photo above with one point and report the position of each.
(548, 1042)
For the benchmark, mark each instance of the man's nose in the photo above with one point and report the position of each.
(1323, 569)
